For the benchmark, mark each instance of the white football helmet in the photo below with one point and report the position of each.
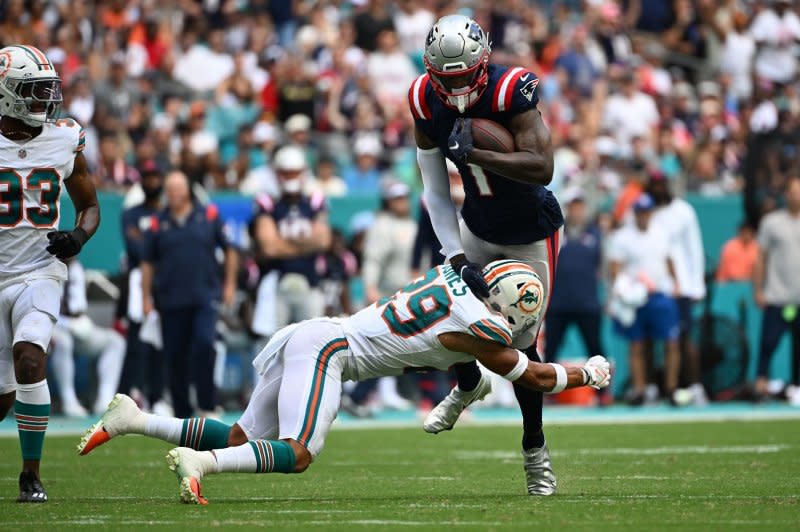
(457, 60)
(516, 292)
(30, 89)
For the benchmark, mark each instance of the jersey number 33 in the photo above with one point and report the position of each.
(13, 207)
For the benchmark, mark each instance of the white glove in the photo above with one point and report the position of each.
(598, 372)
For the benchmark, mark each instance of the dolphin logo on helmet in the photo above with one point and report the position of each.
(516, 292)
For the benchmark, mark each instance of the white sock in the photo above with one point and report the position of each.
(109, 369)
(241, 459)
(164, 428)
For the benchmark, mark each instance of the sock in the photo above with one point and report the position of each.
(530, 404)
(468, 375)
(32, 408)
(259, 456)
(198, 433)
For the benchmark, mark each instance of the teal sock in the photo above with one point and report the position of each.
(32, 410)
(273, 456)
(203, 434)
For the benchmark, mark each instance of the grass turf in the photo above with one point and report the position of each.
(709, 476)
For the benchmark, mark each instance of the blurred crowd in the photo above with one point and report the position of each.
(250, 95)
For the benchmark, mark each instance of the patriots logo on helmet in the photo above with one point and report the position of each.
(431, 37)
(528, 89)
(475, 32)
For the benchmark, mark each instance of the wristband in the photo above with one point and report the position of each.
(561, 378)
(519, 369)
(80, 234)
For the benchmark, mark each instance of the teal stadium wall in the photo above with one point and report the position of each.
(719, 218)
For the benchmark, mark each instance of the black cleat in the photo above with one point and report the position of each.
(30, 488)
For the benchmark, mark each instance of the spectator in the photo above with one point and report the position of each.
(181, 279)
(737, 261)
(576, 282)
(212, 60)
(678, 219)
(116, 98)
(364, 177)
(143, 374)
(370, 22)
(327, 182)
(776, 30)
(76, 333)
(290, 234)
(391, 72)
(643, 305)
(114, 171)
(340, 267)
(389, 244)
(298, 129)
(619, 109)
(775, 283)
(412, 22)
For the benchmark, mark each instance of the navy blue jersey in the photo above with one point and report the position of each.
(135, 222)
(294, 220)
(496, 209)
(184, 256)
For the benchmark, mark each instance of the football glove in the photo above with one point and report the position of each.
(597, 372)
(471, 274)
(460, 140)
(65, 244)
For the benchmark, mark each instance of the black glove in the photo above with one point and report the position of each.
(471, 274)
(460, 140)
(65, 244)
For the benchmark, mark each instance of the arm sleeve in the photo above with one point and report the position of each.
(437, 198)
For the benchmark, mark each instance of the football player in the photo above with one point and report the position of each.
(433, 322)
(507, 211)
(39, 157)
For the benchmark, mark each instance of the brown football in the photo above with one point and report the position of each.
(488, 135)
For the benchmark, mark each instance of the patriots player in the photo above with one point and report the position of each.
(433, 322)
(507, 212)
(39, 157)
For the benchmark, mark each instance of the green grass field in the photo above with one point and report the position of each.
(704, 476)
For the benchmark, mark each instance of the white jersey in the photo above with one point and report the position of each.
(32, 175)
(401, 332)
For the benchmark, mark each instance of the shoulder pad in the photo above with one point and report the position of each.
(515, 89)
(416, 98)
(491, 330)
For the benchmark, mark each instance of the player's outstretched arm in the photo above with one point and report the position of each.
(64, 244)
(533, 160)
(515, 366)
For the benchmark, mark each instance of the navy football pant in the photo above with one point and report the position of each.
(189, 346)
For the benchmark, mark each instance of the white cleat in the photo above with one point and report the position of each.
(122, 417)
(539, 474)
(446, 413)
(190, 466)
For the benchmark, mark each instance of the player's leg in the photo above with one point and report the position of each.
(62, 359)
(308, 402)
(555, 328)
(203, 355)
(773, 326)
(176, 325)
(665, 326)
(542, 256)
(109, 365)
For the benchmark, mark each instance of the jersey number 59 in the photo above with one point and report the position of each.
(12, 196)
